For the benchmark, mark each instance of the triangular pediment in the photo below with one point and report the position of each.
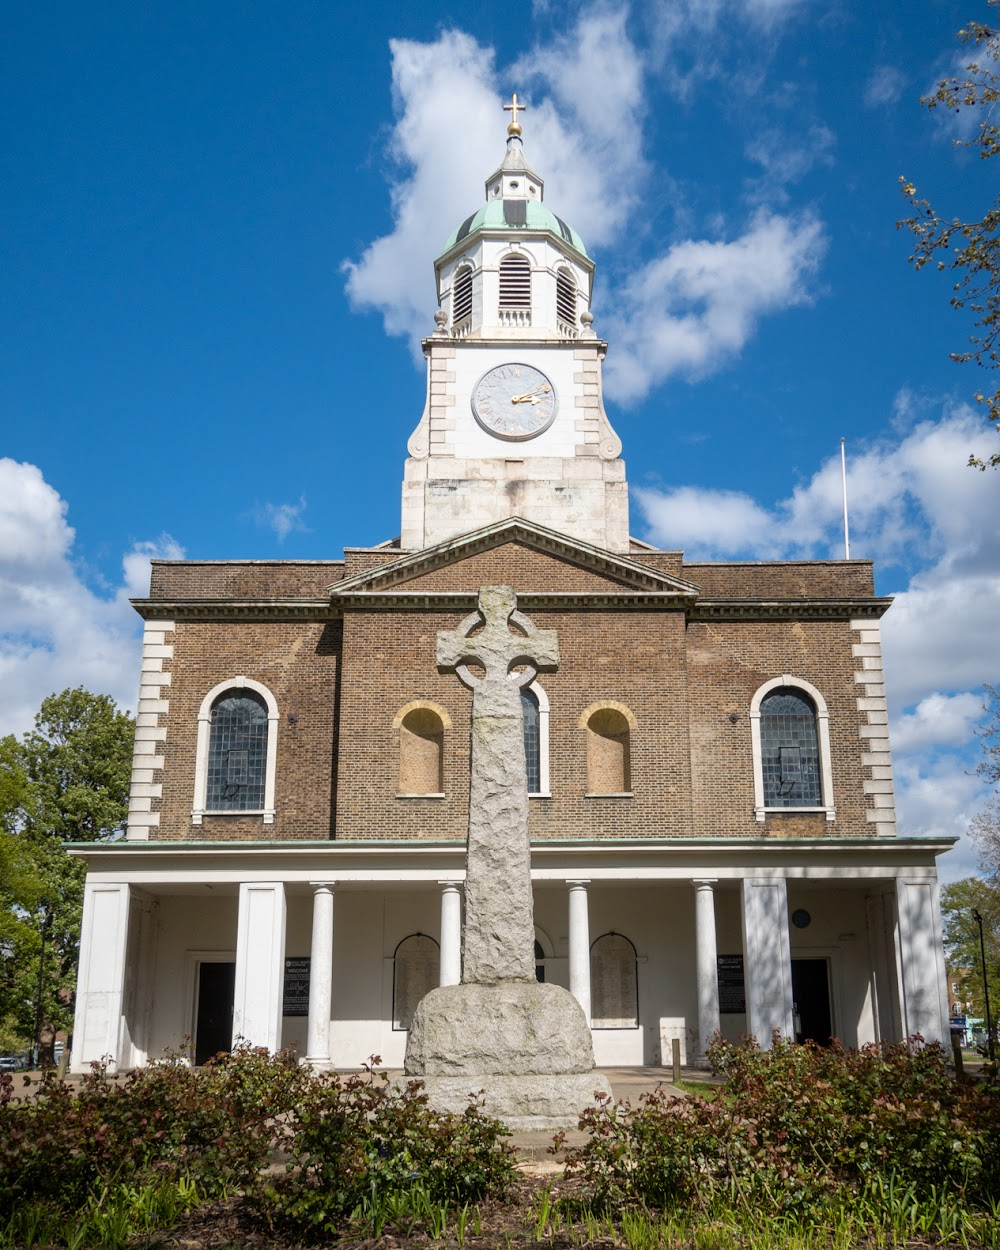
(536, 561)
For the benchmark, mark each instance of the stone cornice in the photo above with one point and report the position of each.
(612, 599)
(236, 609)
(818, 609)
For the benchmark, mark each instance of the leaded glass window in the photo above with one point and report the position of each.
(789, 750)
(532, 744)
(237, 753)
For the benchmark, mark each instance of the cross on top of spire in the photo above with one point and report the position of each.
(513, 107)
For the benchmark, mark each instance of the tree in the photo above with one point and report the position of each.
(67, 780)
(985, 827)
(961, 938)
(973, 246)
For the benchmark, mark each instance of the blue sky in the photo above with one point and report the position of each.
(216, 245)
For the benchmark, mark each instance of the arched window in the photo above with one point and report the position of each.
(790, 726)
(421, 751)
(515, 282)
(614, 983)
(237, 753)
(461, 297)
(532, 754)
(236, 750)
(539, 961)
(566, 297)
(415, 970)
(609, 749)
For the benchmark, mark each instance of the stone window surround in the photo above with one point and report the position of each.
(543, 791)
(198, 808)
(397, 724)
(823, 735)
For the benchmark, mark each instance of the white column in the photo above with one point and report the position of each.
(767, 962)
(260, 960)
(921, 960)
(97, 1029)
(320, 976)
(707, 965)
(579, 945)
(451, 933)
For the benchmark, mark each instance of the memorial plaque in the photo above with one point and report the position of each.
(732, 991)
(296, 991)
(613, 984)
(417, 969)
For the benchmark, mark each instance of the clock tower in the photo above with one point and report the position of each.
(514, 421)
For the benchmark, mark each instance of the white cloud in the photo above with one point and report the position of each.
(55, 632)
(282, 518)
(692, 309)
(913, 502)
(788, 158)
(885, 86)
(938, 719)
(449, 135)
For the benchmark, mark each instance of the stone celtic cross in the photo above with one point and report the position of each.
(498, 937)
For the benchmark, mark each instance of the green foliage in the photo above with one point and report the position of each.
(798, 1130)
(214, 1125)
(970, 249)
(961, 938)
(67, 780)
(360, 1149)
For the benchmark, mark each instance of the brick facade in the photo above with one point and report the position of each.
(685, 669)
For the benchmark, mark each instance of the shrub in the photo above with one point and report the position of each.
(353, 1142)
(214, 1124)
(797, 1127)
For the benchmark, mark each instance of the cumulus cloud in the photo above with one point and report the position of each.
(55, 631)
(694, 307)
(593, 155)
(282, 518)
(912, 499)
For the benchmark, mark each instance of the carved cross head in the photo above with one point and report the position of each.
(509, 660)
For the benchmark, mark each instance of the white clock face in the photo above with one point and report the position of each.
(514, 401)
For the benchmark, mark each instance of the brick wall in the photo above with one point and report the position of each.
(343, 683)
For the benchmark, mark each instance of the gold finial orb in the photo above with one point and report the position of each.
(513, 108)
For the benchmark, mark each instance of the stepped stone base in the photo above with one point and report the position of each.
(524, 1103)
(526, 1045)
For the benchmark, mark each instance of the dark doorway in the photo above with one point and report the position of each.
(214, 1028)
(539, 965)
(811, 995)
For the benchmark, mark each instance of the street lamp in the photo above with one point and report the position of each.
(46, 925)
(977, 917)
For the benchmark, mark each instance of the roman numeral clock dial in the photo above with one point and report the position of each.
(514, 401)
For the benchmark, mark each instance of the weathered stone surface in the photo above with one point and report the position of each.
(510, 1028)
(527, 1045)
(522, 1102)
(499, 934)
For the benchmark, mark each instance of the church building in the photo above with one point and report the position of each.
(711, 812)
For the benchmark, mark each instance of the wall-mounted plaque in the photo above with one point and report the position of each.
(296, 992)
(732, 990)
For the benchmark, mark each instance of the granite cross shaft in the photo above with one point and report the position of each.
(498, 937)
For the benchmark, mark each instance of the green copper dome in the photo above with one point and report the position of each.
(516, 214)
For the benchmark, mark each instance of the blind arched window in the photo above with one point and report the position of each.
(790, 750)
(421, 751)
(566, 296)
(237, 753)
(515, 282)
(532, 741)
(614, 983)
(461, 297)
(609, 765)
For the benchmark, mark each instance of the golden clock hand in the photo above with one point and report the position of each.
(526, 398)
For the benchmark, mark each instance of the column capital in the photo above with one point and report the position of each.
(704, 882)
(451, 884)
(322, 885)
(578, 883)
